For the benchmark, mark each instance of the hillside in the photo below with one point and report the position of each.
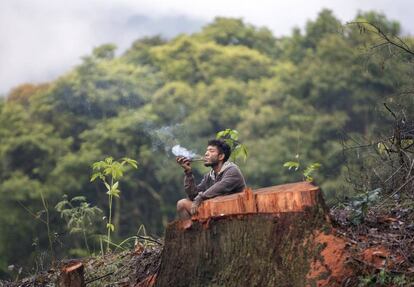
(334, 94)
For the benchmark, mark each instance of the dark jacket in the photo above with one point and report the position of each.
(228, 180)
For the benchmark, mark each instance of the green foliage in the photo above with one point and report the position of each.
(191, 61)
(310, 169)
(234, 32)
(173, 102)
(231, 137)
(306, 172)
(104, 52)
(109, 171)
(292, 164)
(380, 20)
(139, 53)
(325, 24)
(383, 278)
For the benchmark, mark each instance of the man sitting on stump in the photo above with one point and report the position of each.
(224, 178)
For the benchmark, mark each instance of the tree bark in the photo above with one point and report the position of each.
(276, 236)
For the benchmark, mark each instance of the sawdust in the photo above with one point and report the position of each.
(330, 268)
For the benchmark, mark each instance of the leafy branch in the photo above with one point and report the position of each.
(393, 40)
(231, 137)
(307, 171)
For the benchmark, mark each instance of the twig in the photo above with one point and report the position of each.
(343, 234)
(379, 45)
(392, 113)
(98, 278)
(365, 145)
(395, 192)
(391, 176)
(31, 213)
(379, 32)
(149, 239)
(375, 267)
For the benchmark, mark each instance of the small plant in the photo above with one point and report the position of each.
(361, 203)
(382, 278)
(109, 172)
(79, 215)
(46, 221)
(231, 137)
(307, 172)
(141, 240)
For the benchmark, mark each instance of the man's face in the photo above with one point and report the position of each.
(212, 157)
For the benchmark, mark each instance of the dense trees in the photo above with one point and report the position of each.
(290, 98)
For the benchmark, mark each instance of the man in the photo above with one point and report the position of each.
(224, 178)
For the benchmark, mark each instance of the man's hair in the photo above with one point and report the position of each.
(222, 147)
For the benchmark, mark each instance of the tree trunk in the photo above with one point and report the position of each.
(276, 236)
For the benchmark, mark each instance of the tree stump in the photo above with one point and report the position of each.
(72, 275)
(275, 236)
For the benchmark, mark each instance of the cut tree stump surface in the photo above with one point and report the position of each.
(292, 197)
(275, 236)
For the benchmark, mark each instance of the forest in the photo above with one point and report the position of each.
(338, 96)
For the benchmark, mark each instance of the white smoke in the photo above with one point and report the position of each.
(178, 150)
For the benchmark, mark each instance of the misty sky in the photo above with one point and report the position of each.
(40, 40)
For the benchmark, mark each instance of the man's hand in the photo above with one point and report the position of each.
(185, 163)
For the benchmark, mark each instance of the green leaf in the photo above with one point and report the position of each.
(66, 212)
(95, 175)
(315, 165)
(131, 162)
(116, 192)
(382, 148)
(309, 178)
(244, 152)
(221, 134)
(291, 164)
(113, 192)
(78, 198)
(110, 226)
(108, 187)
(311, 168)
(60, 205)
(98, 165)
(230, 142)
(234, 135)
(107, 170)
